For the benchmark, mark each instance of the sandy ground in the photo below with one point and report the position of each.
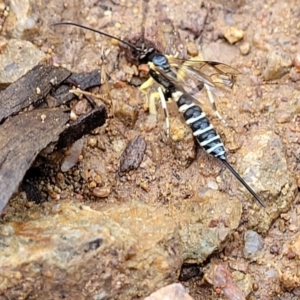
(254, 104)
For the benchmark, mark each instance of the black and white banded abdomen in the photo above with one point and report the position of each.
(203, 130)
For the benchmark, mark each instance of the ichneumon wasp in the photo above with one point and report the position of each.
(174, 74)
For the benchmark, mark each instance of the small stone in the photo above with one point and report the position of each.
(118, 84)
(73, 116)
(92, 142)
(212, 185)
(245, 48)
(253, 243)
(81, 107)
(92, 184)
(243, 281)
(293, 228)
(101, 192)
(277, 65)
(192, 49)
(71, 159)
(98, 179)
(296, 61)
(126, 113)
(283, 116)
(144, 68)
(173, 291)
(144, 186)
(274, 249)
(233, 34)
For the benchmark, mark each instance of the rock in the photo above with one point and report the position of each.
(277, 64)
(126, 113)
(290, 263)
(86, 254)
(264, 166)
(220, 278)
(21, 23)
(192, 49)
(72, 158)
(245, 48)
(233, 34)
(133, 154)
(284, 115)
(173, 291)
(243, 281)
(13, 64)
(101, 192)
(259, 41)
(296, 61)
(219, 216)
(253, 243)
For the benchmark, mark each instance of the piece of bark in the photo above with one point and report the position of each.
(21, 139)
(133, 154)
(81, 80)
(30, 89)
(23, 136)
(83, 125)
(85, 80)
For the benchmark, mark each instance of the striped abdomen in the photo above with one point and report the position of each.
(202, 129)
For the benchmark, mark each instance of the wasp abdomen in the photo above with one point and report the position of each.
(202, 129)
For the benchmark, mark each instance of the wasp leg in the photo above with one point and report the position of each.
(148, 83)
(211, 99)
(213, 103)
(165, 109)
(150, 102)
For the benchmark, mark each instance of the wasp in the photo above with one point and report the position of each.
(179, 79)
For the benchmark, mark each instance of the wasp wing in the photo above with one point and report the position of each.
(214, 74)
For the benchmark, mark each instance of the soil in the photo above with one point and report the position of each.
(269, 27)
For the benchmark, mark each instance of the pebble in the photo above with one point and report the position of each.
(92, 184)
(212, 185)
(233, 34)
(73, 116)
(98, 179)
(92, 142)
(60, 178)
(258, 40)
(71, 160)
(283, 116)
(125, 113)
(173, 291)
(253, 243)
(101, 192)
(81, 107)
(278, 64)
(245, 48)
(192, 49)
(296, 61)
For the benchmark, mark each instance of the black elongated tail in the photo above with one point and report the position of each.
(242, 181)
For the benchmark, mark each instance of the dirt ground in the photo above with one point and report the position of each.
(269, 27)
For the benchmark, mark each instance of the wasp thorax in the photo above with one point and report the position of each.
(160, 60)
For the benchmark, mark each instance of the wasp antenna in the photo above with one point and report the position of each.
(97, 31)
